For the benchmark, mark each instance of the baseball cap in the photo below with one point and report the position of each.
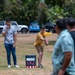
(71, 21)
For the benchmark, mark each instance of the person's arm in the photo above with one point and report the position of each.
(4, 33)
(44, 39)
(66, 62)
(67, 59)
(67, 47)
(15, 40)
(5, 30)
(15, 37)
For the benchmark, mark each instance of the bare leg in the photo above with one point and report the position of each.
(40, 55)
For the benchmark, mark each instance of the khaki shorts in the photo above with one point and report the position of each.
(39, 48)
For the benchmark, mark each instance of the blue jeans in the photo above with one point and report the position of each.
(10, 49)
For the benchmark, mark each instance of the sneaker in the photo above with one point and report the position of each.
(53, 73)
(9, 66)
(40, 66)
(16, 66)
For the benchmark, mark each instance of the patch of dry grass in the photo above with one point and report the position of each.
(25, 46)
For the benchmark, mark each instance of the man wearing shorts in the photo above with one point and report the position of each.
(39, 45)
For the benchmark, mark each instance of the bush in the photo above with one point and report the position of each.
(55, 12)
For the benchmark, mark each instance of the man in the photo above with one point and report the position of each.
(71, 28)
(63, 54)
(10, 35)
(39, 45)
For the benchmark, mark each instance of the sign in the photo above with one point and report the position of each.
(30, 61)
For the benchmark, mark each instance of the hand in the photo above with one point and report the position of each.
(14, 45)
(46, 42)
(8, 27)
(61, 72)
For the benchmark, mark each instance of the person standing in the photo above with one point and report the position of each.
(39, 45)
(71, 28)
(63, 54)
(10, 37)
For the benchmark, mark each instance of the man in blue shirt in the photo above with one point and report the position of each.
(10, 35)
(63, 54)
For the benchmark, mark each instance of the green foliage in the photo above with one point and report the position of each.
(41, 13)
(55, 13)
(70, 7)
(23, 12)
(60, 3)
(1, 5)
(26, 11)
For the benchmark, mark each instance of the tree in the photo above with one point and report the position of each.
(20, 10)
(70, 7)
(54, 13)
(26, 11)
(1, 5)
(41, 13)
(60, 3)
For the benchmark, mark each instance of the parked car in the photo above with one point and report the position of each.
(34, 27)
(19, 28)
(49, 27)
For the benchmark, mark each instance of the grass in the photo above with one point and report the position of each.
(52, 42)
(25, 46)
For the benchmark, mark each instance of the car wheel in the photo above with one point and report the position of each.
(24, 30)
(51, 30)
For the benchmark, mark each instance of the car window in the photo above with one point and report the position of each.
(1, 23)
(35, 24)
(13, 23)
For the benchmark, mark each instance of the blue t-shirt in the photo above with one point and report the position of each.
(63, 44)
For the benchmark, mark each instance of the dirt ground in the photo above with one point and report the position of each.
(25, 46)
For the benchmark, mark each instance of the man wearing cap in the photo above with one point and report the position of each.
(71, 28)
(10, 35)
(63, 54)
(39, 45)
